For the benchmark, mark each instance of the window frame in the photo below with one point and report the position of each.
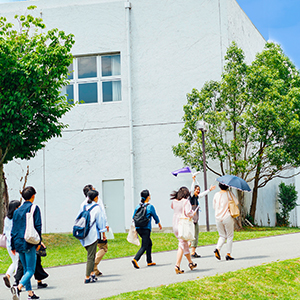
(99, 79)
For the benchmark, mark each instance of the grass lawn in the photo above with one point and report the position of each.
(279, 280)
(64, 249)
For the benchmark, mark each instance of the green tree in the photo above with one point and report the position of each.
(253, 114)
(33, 69)
(287, 198)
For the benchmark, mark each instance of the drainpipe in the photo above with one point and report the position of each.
(128, 8)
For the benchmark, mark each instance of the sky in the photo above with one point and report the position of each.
(278, 21)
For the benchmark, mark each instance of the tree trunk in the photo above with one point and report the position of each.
(3, 198)
(254, 201)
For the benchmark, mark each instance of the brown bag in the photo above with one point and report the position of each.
(233, 208)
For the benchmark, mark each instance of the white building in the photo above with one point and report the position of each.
(134, 64)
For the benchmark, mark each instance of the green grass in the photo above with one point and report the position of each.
(279, 280)
(64, 249)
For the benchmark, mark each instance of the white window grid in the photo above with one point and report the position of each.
(99, 79)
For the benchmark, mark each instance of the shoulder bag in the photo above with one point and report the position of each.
(2, 241)
(186, 228)
(31, 235)
(233, 208)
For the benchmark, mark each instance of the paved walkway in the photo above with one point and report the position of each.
(66, 283)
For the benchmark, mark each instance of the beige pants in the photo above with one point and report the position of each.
(194, 243)
(226, 230)
(99, 255)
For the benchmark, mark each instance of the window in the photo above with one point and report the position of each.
(95, 79)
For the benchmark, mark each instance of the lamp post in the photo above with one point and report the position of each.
(203, 126)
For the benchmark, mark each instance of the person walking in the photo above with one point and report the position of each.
(27, 251)
(8, 224)
(194, 197)
(102, 240)
(224, 220)
(181, 204)
(39, 273)
(145, 232)
(97, 222)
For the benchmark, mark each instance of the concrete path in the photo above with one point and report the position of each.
(66, 283)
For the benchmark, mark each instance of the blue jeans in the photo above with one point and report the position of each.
(28, 260)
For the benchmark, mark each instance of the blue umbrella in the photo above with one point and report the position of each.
(235, 182)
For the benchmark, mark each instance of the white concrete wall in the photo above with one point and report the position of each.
(176, 46)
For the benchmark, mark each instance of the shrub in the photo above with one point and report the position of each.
(287, 198)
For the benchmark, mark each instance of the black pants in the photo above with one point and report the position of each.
(39, 273)
(146, 245)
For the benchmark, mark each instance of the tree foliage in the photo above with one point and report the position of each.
(287, 198)
(253, 114)
(33, 69)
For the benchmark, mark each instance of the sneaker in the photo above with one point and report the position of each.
(98, 273)
(41, 285)
(15, 292)
(6, 281)
(151, 264)
(93, 278)
(135, 264)
(195, 255)
(34, 296)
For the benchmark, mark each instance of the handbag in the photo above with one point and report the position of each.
(132, 236)
(42, 251)
(2, 240)
(186, 228)
(233, 208)
(31, 236)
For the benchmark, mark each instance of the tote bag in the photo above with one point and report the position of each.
(31, 236)
(132, 236)
(233, 208)
(2, 241)
(186, 228)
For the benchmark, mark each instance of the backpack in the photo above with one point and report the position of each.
(140, 219)
(82, 225)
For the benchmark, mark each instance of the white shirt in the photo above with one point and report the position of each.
(98, 221)
(8, 223)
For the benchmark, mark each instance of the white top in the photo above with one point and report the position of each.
(100, 202)
(8, 223)
(98, 221)
(220, 203)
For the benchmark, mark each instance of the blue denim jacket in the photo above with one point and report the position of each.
(18, 242)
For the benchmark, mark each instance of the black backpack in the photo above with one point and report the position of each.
(140, 219)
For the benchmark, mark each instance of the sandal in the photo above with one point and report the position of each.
(217, 254)
(192, 265)
(178, 271)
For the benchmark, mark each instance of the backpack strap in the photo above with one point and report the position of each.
(89, 210)
(92, 207)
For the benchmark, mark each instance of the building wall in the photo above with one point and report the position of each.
(175, 46)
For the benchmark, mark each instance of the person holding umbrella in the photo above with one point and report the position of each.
(224, 220)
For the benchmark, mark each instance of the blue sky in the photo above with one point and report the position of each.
(278, 21)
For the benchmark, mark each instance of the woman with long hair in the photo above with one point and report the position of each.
(8, 223)
(181, 203)
(224, 220)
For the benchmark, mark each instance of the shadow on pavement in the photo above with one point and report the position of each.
(251, 257)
